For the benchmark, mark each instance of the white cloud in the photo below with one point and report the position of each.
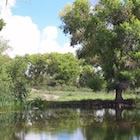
(25, 37)
(50, 33)
(48, 42)
(42, 136)
(5, 9)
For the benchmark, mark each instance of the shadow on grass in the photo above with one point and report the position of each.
(89, 104)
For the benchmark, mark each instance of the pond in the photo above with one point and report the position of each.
(71, 124)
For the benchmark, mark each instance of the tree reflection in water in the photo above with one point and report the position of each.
(60, 124)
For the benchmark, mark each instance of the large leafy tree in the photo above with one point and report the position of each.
(109, 32)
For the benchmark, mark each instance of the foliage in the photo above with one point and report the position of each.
(110, 33)
(6, 95)
(52, 69)
(37, 68)
(2, 24)
(86, 73)
(17, 71)
(7, 98)
(63, 68)
(97, 82)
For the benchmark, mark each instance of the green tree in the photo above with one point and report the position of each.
(110, 32)
(37, 68)
(63, 68)
(52, 69)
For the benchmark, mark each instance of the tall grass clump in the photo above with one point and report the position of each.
(9, 100)
(13, 86)
(6, 98)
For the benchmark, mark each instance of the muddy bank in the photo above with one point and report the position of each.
(85, 104)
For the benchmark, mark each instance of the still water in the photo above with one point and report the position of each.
(71, 124)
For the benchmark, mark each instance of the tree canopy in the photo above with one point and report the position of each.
(109, 32)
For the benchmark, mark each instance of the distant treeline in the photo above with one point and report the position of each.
(60, 69)
(21, 73)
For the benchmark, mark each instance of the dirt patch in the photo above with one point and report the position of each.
(34, 90)
(49, 97)
(43, 96)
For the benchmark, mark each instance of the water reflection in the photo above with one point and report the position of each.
(77, 135)
(71, 124)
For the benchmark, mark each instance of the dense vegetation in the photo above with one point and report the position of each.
(59, 71)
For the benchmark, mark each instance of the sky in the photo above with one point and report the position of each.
(32, 26)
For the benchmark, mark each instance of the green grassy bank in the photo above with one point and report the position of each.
(37, 96)
(77, 95)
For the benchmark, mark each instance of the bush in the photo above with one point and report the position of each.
(85, 75)
(17, 72)
(97, 83)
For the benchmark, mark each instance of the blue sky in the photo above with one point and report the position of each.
(32, 26)
(43, 13)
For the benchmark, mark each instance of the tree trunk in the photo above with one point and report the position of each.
(119, 95)
(119, 114)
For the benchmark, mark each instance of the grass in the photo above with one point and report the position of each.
(79, 96)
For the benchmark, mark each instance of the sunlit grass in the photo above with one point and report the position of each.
(79, 96)
(131, 96)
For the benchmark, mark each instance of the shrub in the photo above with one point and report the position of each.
(97, 83)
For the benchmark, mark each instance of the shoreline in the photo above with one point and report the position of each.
(87, 104)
